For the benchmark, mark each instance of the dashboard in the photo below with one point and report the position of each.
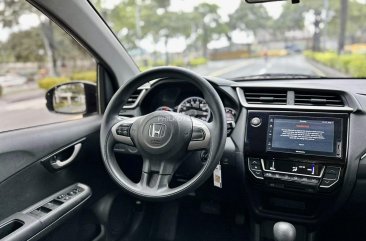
(298, 146)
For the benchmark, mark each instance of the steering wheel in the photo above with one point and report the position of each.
(163, 138)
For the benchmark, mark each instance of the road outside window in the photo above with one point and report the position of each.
(36, 55)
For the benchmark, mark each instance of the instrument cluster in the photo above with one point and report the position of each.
(185, 99)
(197, 107)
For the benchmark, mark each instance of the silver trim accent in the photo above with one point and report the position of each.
(59, 163)
(62, 149)
(244, 103)
(252, 171)
(338, 176)
(296, 174)
(134, 105)
(363, 156)
(157, 130)
(197, 145)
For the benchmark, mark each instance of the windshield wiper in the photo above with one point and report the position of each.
(278, 76)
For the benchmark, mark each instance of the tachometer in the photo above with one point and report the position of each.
(195, 107)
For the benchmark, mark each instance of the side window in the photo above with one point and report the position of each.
(35, 56)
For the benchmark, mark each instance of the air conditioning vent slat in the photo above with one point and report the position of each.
(263, 94)
(134, 99)
(266, 97)
(318, 99)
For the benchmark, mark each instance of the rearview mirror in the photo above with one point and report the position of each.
(72, 98)
(263, 1)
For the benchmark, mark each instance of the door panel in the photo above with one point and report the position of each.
(21, 148)
(24, 181)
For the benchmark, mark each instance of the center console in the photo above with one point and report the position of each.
(299, 151)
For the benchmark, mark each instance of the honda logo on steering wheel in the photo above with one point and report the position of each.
(157, 130)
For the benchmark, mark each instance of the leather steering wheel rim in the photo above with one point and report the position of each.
(217, 132)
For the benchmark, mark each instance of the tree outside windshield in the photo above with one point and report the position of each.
(234, 39)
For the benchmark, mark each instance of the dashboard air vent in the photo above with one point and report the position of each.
(134, 99)
(318, 99)
(266, 96)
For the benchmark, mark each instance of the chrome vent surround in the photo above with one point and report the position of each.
(266, 96)
(309, 98)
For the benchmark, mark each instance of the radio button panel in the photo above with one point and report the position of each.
(328, 178)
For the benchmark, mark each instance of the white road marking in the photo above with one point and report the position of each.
(265, 69)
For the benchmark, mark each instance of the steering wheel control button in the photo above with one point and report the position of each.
(256, 122)
(123, 130)
(198, 134)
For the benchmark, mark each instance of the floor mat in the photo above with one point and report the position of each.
(194, 225)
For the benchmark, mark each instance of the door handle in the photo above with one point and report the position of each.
(57, 164)
(62, 157)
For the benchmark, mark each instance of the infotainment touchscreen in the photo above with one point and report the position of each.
(304, 135)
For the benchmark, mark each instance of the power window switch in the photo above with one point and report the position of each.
(61, 196)
(50, 205)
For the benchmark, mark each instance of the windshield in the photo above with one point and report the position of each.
(234, 39)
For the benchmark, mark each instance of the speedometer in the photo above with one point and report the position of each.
(195, 107)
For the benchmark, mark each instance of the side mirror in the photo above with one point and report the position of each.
(72, 98)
